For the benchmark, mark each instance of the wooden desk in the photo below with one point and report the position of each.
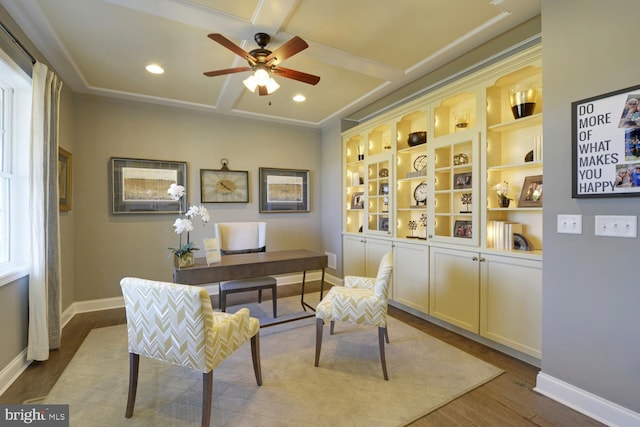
(246, 266)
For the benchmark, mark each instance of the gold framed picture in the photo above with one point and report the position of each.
(224, 186)
(64, 180)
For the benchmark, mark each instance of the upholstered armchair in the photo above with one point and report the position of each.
(362, 300)
(176, 324)
(239, 238)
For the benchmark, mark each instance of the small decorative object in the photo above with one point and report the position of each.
(462, 180)
(384, 173)
(502, 189)
(523, 98)
(224, 185)
(212, 251)
(361, 151)
(417, 138)
(412, 226)
(423, 224)
(520, 242)
(383, 224)
(466, 200)
(460, 159)
(529, 157)
(531, 195)
(385, 201)
(461, 119)
(183, 254)
(357, 200)
(463, 229)
(420, 163)
(420, 194)
(384, 188)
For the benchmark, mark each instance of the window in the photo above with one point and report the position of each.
(15, 112)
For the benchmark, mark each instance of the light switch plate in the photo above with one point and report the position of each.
(617, 226)
(570, 224)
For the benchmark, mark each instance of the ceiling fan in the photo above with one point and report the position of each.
(264, 62)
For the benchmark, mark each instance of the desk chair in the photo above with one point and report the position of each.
(176, 324)
(362, 300)
(238, 238)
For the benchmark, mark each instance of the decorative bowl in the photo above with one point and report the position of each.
(417, 138)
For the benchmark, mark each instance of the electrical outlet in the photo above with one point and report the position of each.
(617, 226)
(570, 224)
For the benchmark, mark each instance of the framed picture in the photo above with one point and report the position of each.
(64, 180)
(224, 186)
(284, 190)
(384, 188)
(462, 180)
(463, 229)
(383, 224)
(139, 186)
(531, 195)
(605, 145)
(357, 200)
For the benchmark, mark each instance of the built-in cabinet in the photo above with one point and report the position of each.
(423, 180)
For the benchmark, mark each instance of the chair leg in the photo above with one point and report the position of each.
(274, 296)
(319, 324)
(134, 364)
(382, 333)
(207, 397)
(333, 324)
(386, 334)
(255, 356)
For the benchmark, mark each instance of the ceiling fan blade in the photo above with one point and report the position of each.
(262, 90)
(290, 48)
(297, 75)
(230, 45)
(226, 71)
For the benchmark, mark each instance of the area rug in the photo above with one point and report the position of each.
(347, 389)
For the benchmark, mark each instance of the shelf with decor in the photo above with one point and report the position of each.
(379, 193)
(514, 147)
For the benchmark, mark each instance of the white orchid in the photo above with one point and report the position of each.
(185, 224)
(501, 189)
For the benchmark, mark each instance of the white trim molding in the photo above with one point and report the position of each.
(599, 409)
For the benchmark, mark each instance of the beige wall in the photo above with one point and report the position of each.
(109, 247)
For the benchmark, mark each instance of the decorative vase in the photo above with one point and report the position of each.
(503, 202)
(184, 261)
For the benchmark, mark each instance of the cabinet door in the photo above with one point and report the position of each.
(375, 250)
(411, 276)
(454, 294)
(353, 248)
(511, 303)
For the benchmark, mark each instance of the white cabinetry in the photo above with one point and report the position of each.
(362, 255)
(411, 275)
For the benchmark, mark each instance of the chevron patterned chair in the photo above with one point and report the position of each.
(176, 324)
(362, 300)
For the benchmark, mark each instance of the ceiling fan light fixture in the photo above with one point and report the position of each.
(250, 83)
(261, 75)
(272, 86)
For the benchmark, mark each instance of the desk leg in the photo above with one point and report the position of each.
(304, 304)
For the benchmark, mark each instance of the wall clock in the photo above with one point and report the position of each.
(224, 186)
(420, 194)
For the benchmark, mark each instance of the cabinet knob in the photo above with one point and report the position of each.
(482, 259)
(431, 236)
(475, 258)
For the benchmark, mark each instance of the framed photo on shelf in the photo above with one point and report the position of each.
(64, 180)
(357, 200)
(463, 229)
(531, 195)
(224, 186)
(384, 188)
(383, 224)
(284, 190)
(462, 180)
(139, 186)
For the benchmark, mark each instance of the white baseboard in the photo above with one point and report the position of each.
(12, 371)
(593, 406)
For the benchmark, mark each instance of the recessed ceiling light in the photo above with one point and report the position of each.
(299, 98)
(154, 69)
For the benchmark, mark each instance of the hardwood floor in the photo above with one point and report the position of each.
(508, 400)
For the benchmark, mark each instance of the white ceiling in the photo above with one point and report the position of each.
(361, 49)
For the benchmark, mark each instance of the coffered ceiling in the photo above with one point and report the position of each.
(361, 49)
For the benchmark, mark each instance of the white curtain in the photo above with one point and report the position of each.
(45, 273)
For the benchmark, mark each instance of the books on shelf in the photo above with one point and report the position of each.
(500, 234)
